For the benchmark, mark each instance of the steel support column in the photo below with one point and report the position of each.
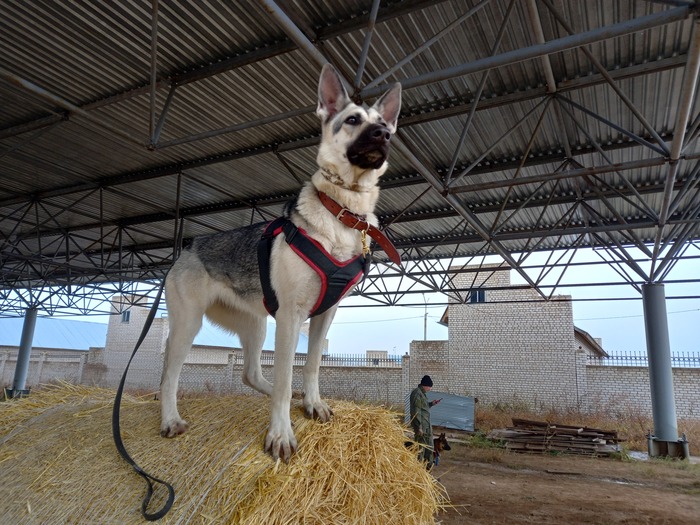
(25, 348)
(665, 439)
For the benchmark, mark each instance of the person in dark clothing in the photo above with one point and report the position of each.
(420, 419)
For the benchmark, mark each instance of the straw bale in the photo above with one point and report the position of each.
(60, 465)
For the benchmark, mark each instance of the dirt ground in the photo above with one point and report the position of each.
(494, 486)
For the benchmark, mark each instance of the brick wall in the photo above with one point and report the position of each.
(431, 358)
(45, 365)
(122, 334)
(527, 353)
(626, 389)
(375, 384)
(366, 384)
(509, 349)
(615, 389)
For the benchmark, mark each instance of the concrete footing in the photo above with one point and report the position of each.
(673, 449)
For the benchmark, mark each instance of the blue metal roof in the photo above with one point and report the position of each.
(55, 333)
(82, 335)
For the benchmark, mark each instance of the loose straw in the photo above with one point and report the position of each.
(57, 449)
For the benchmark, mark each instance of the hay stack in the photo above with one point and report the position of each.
(59, 464)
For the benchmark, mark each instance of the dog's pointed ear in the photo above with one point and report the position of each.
(389, 106)
(332, 96)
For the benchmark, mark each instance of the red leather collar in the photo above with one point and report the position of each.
(356, 222)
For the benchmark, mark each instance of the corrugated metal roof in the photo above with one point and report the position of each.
(80, 176)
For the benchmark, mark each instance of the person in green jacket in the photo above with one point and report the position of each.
(420, 419)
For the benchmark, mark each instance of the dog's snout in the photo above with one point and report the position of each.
(380, 133)
(371, 148)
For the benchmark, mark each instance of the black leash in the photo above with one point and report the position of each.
(116, 433)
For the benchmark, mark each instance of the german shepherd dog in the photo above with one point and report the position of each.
(440, 443)
(218, 275)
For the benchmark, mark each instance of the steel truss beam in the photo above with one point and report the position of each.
(219, 65)
(147, 263)
(436, 113)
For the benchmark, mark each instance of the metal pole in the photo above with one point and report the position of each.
(690, 80)
(154, 69)
(25, 349)
(536, 24)
(365, 46)
(685, 106)
(425, 320)
(660, 373)
(294, 33)
(425, 324)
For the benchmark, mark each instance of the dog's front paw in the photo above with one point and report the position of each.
(318, 410)
(280, 442)
(173, 428)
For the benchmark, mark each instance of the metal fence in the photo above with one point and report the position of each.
(385, 361)
(678, 359)
(388, 361)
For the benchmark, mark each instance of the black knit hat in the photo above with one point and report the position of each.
(426, 381)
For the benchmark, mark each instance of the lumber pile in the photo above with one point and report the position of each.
(541, 436)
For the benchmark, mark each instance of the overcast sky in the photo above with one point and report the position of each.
(620, 324)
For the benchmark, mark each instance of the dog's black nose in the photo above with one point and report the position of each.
(380, 133)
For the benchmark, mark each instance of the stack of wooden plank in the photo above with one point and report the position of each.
(541, 436)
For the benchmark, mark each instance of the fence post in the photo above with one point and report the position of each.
(81, 367)
(40, 367)
(230, 362)
(3, 360)
(405, 374)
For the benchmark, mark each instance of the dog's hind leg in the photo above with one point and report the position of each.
(251, 331)
(314, 406)
(185, 320)
(252, 338)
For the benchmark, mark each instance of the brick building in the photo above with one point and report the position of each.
(507, 346)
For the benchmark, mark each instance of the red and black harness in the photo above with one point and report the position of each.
(336, 277)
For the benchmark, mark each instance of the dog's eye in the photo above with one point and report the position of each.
(352, 120)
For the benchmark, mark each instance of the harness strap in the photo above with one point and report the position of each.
(264, 251)
(116, 432)
(336, 277)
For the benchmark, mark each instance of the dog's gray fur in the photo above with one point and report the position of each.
(218, 275)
